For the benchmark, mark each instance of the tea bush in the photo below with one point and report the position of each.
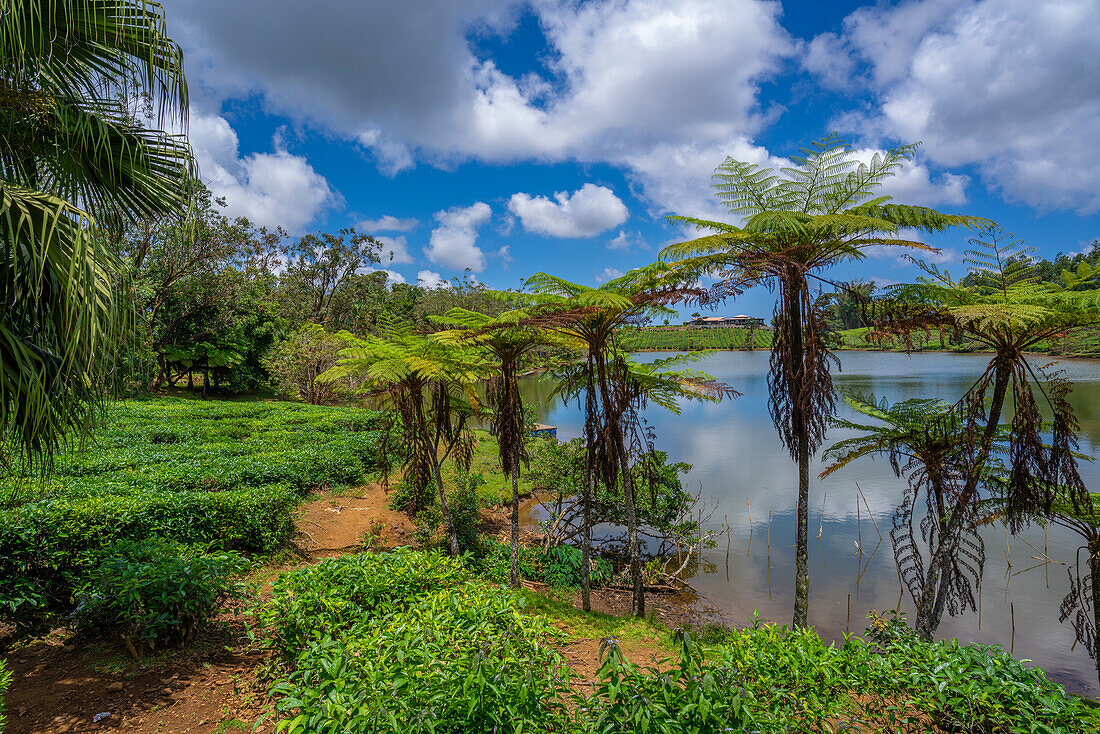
(411, 641)
(408, 641)
(47, 547)
(971, 688)
(220, 473)
(158, 591)
(459, 659)
(330, 597)
(690, 697)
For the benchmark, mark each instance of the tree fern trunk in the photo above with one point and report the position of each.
(586, 544)
(1094, 573)
(513, 564)
(633, 544)
(448, 518)
(801, 556)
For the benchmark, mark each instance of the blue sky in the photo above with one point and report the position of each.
(556, 135)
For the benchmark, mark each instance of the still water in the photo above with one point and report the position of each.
(740, 467)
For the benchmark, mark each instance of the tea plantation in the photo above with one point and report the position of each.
(227, 475)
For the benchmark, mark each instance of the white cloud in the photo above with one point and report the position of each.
(625, 240)
(395, 250)
(429, 279)
(608, 274)
(618, 80)
(271, 189)
(454, 242)
(1010, 86)
(586, 212)
(388, 223)
(914, 183)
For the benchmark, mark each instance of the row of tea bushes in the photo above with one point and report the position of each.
(412, 642)
(223, 474)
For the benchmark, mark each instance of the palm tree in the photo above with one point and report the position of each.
(74, 163)
(795, 224)
(431, 384)
(1003, 307)
(923, 439)
(509, 340)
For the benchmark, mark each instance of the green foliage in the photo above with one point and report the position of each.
(157, 591)
(48, 547)
(685, 339)
(224, 474)
(328, 599)
(72, 164)
(5, 681)
(773, 679)
(409, 641)
(558, 566)
(405, 642)
(971, 688)
(297, 362)
(691, 698)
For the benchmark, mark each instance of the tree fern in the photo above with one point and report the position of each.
(792, 224)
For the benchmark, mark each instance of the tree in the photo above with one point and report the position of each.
(198, 279)
(320, 265)
(591, 316)
(431, 385)
(73, 164)
(507, 339)
(1008, 311)
(795, 224)
(297, 363)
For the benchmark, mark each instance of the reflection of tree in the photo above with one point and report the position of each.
(1002, 306)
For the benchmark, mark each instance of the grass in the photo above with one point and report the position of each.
(497, 489)
(579, 624)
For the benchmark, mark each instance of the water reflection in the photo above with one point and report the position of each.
(741, 465)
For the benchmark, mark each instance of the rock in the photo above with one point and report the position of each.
(167, 691)
(116, 686)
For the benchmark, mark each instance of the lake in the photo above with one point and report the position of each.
(740, 466)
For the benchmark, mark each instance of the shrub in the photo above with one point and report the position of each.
(459, 659)
(158, 591)
(219, 473)
(47, 547)
(405, 497)
(559, 566)
(327, 599)
(972, 688)
(408, 642)
(297, 362)
(691, 698)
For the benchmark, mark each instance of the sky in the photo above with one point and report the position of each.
(557, 135)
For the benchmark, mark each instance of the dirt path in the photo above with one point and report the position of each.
(58, 686)
(332, 524)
